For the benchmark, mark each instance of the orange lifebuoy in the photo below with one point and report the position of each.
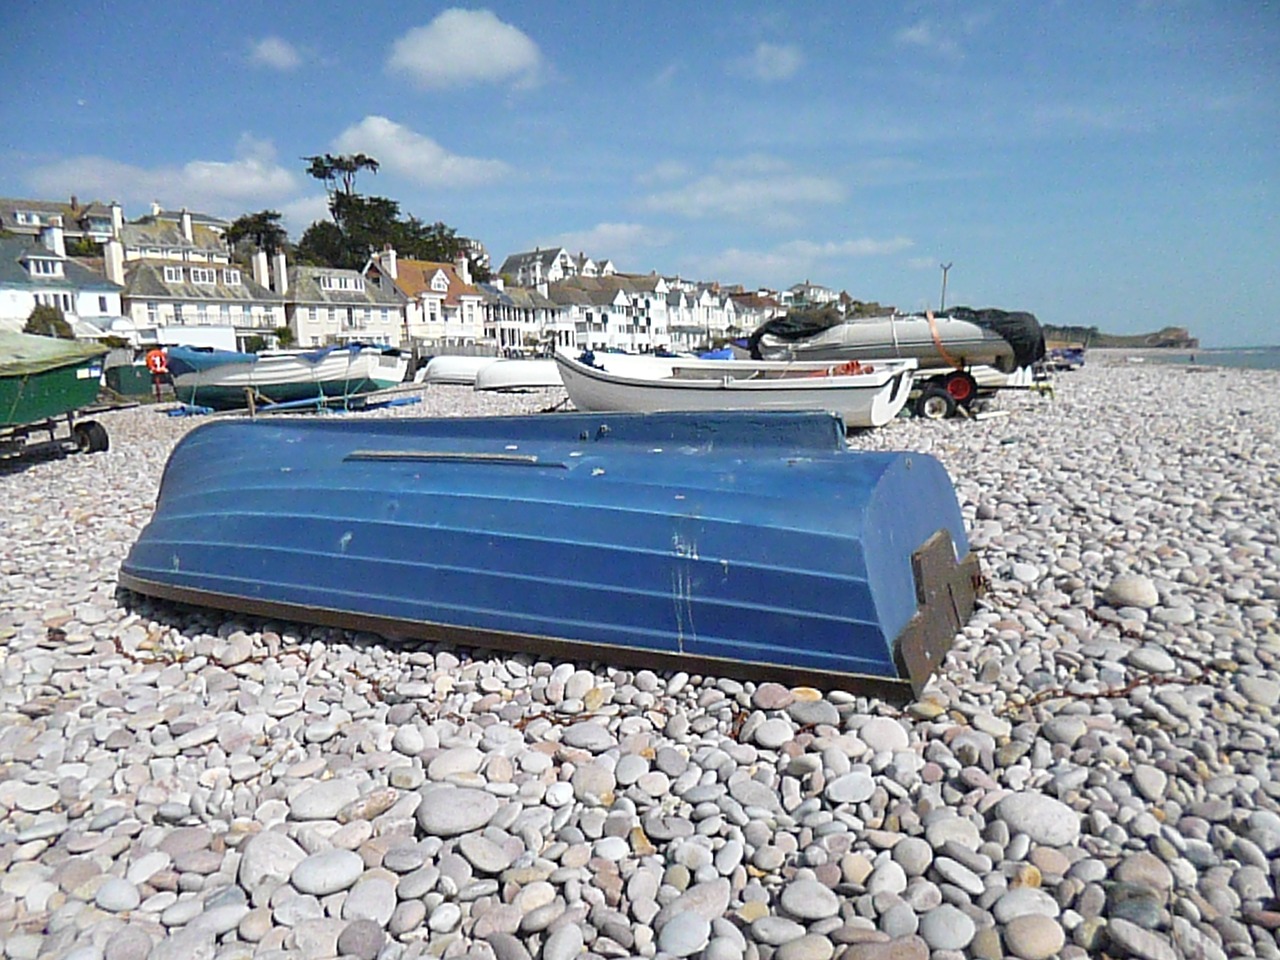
(157, 362)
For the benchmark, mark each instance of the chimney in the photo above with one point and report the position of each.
(280, 274)
(75, 204)
(113, 260)
(463, 268)
(260, 268)
(117, 219)
(156, 208)
(186, 227)
(387, 261)
(51, 236)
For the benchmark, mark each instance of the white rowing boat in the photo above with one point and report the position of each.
(864, 395)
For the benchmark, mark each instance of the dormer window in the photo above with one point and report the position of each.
(40, 267)
(203, 276)
(27, 217)
(440, 283)
(172, 274)
(231, 278)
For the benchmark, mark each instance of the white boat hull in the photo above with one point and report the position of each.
(660, 384)
(454, 369)
(518, 375)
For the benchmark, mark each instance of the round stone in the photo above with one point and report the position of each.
(1034, 937)
(883, 734)
(913, 854)
(1131, 590)
(323, 800)
(327, 872)
(116, 895)
(362, 939)
(809, 900)
(449, 811)
(851, 788)
(372, 898)
(268, 858)
(947, 928)
(774, 732)
(565, 943)
(811, 946)
(1045, 820)
(483, 854)
(684, 935)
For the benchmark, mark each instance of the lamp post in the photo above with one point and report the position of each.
(942, 305)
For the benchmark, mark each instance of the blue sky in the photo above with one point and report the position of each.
(1108, 163)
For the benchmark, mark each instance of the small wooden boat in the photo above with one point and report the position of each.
(863, 395)
(225, 380)
(447, 368)
(44, 381)
(533, 374)
(741, 543)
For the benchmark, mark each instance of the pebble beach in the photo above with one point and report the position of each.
(1094, 770)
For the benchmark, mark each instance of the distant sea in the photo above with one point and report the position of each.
(1255, 358)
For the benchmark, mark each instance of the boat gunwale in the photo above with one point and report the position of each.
(896, 689)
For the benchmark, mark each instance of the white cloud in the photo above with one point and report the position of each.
(774, 61)
(927, 36)
(220, 187)
(299, 214)
(668, 171)
(466, 47)
(619, 242)
(785, 263)
(752, 189)
(276, 53)
(416, 157)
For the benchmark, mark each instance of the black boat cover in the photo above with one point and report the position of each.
(1019, 328)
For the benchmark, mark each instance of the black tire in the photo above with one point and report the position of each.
(91, 437)
(935, 403)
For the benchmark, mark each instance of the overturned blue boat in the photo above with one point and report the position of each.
(744, 544)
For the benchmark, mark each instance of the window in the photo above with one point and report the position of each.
(368, 315)
(231, 278)
(386, 315)
(45, 268)
(153, 312)
(333, 315)
(224, 314)
(27, 217)
(440, 283)
(172, 274)
(315, 314)
(177, 313)
(199, 275)
(202, 314)
(102, 304)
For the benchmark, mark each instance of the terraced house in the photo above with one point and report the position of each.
(36, 271)
(326, 305)
(443, 308)
(179, 274)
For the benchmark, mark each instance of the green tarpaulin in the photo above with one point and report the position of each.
(22, 354)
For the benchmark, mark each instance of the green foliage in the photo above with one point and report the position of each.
(82, 247)
(254, 344)
(284, 336)
(262, 228)
(47, 321)
(331, 168)
(363, 225)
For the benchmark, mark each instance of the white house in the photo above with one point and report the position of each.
(443, 308)
(38, 271)
(519, 319)
(326, 305)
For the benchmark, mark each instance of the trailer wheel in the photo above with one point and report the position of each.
(961, 386)
(935, 403)
(91, 437)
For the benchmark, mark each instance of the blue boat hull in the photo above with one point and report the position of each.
(755, 544)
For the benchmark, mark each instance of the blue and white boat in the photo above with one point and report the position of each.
(226, 380)
(751, 544)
